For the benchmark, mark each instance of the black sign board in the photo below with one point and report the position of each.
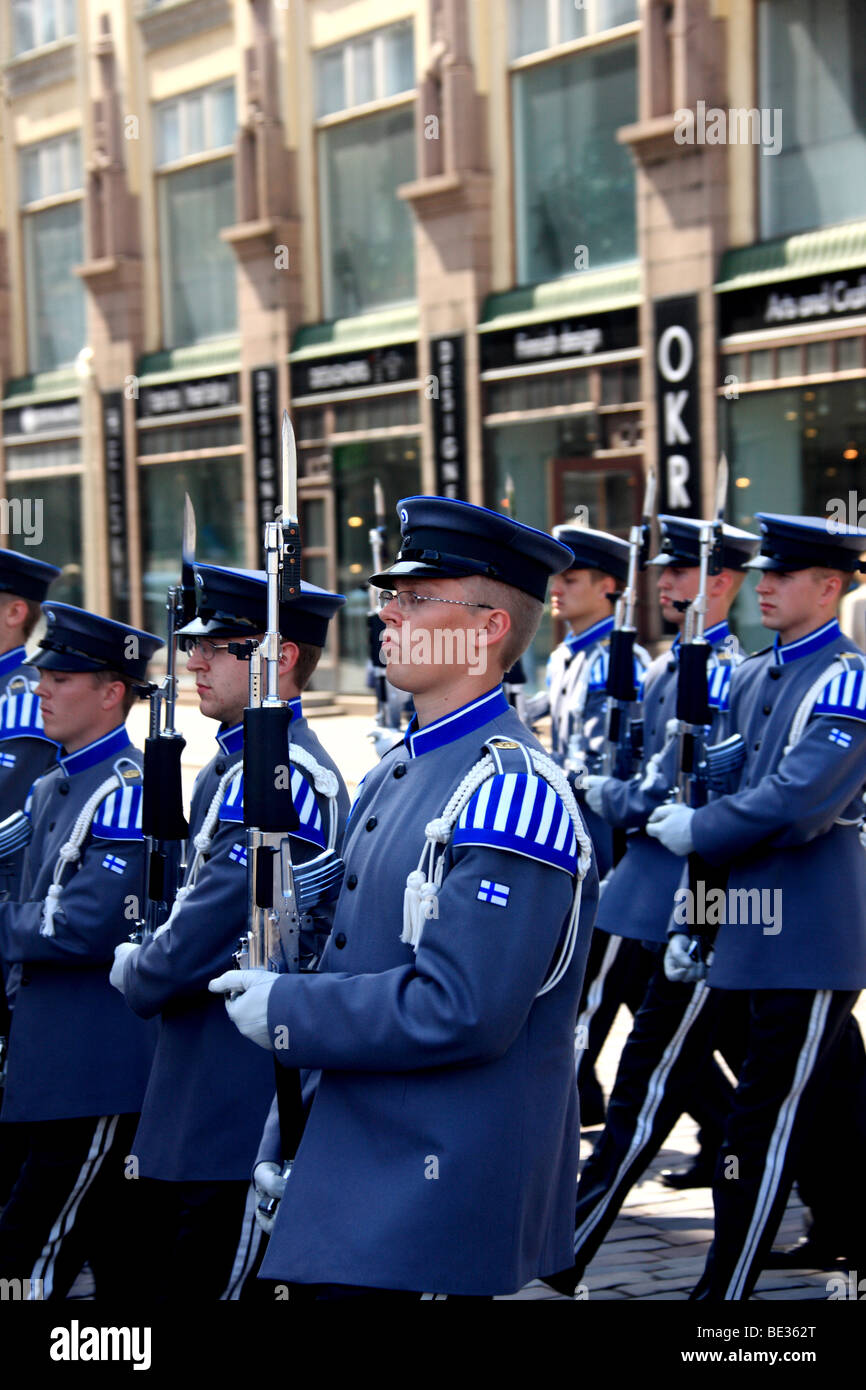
(447, 362)
(816, 300)
(582, 336)
(266, 442)
(676, 349)
(115, 495)
(189, 397)
(53, 417)
(354, 371)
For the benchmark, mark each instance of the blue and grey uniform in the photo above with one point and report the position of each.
(210, 1089)
(26, 751)
(78, 1060)
(441, 1145)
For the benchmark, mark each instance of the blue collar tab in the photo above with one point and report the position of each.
(783, 652)
(457, 724)
(109, 746)
(579, 641)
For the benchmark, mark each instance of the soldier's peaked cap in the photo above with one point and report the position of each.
(594, 550)
(234, 603)
(25, 576)
(681, 544)
(443, 538)
(76, 640)
(799, 542)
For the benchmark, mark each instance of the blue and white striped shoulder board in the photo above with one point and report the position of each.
(844, 696)
(118, 816)
(517, 810)
(303, 795)
(598, 670)
(21, 712)
(719, 685)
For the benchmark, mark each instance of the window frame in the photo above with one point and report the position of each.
(187, 159)
(63, 11)
(380, 98)
(558, 46)
(70, 191)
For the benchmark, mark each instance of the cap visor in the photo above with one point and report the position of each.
(46, 660)
(417, 569)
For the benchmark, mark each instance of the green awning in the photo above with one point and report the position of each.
(201, 359)
(593, 292)
(808, 253)
(386, 326)
(41, 386)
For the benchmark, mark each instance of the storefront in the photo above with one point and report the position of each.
(562, 411)
(792, 390)
(358, 420)
(189, 440)
(42, 507)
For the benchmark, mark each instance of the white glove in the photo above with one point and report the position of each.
(679, 964)
(383, 740)
(160, 931)
(121, 954)
(248, 1010)
(269, 1182)
(592, 793)
(672, 825)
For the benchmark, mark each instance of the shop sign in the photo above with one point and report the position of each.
(448, 404)
(677, 380)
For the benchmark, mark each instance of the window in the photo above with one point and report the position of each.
(811, 81)
(196, 200)
(537, 24)
(574, 184)
(368, 245)
(53, 245)
(369, 68)
(37, 22)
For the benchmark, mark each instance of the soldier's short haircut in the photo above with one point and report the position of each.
(822, 572)
(34, 612)
(524, 611)
(308, 659)
(130, 690)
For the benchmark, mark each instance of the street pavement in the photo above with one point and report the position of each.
(657, 1247)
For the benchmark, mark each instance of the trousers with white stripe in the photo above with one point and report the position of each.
(204, 1242)
(72, 1204)
(792, 1035)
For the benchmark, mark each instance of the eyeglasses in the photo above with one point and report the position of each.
(406, 600)
(206, 649)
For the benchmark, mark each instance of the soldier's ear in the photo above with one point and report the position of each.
(288, 657)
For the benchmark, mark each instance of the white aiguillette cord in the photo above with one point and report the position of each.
(423, 884)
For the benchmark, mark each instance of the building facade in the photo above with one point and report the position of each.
(516, 251)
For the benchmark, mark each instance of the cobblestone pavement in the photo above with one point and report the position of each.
(657, 1247)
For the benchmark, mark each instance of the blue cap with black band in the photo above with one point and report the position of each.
(24, 576)
(76, 640)
(681, 544)
(595, 550)
(234, 603)
(799, 542)
(446, 539)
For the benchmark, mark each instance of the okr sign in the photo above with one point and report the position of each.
(678, 405)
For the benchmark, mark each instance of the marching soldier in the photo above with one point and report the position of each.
(629, 915)
(441, 1146)
(209, 1090)
(790, 836)
(78, 1060)
(25, 750)
(583, 595)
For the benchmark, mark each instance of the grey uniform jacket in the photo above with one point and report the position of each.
(638, 897)
(26, 751)
(780, 831)
(210, 1088)
(75, 1049)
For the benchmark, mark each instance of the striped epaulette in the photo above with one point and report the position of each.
(21, 715)
(844, 696)
(309, 815)
(598, 670)
(719, 686)
(118, 817)
(522, 813)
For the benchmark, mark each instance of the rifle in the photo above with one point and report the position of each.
(621, 746)
(272, 941)
(693, 714)
(514, 679)
(163, 822)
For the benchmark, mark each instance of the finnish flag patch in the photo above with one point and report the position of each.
(840, 737)
(112, 862)
(7, 760)
(496, 893)
(239, 854)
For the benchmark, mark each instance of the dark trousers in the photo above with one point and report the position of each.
(203, 1242)
(832, 1160)
(668, 1047)
(792, 1037)
(74, 1201)
(617, 971)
